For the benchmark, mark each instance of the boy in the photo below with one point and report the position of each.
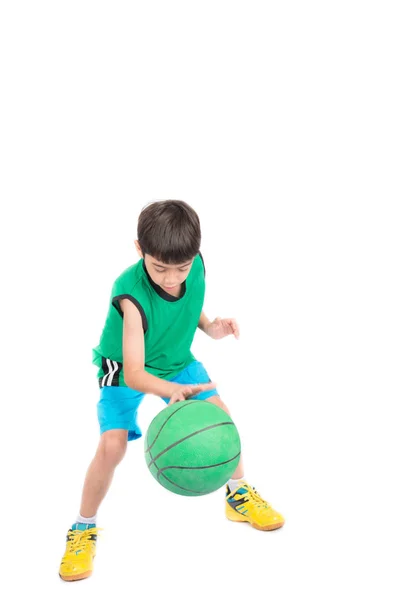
(155, 309)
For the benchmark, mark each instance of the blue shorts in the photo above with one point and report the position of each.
(118, 406)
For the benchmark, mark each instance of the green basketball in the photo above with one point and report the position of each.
(192, 447)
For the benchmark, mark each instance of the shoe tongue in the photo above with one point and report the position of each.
(82, 526)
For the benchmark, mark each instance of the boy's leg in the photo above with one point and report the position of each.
(117, 410)
(110, 452)
(77, 562)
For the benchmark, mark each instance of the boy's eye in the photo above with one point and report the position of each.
(163, 270)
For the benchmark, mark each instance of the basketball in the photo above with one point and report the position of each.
(192, 447)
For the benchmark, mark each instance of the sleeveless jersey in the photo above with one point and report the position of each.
(169, 323)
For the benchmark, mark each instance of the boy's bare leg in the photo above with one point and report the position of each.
(110, 452)
(239, 472)
(78, 564)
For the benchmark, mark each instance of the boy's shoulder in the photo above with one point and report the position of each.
(129, 278)
(131, 270)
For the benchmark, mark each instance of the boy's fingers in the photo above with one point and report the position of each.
(191, 390)
(235, 328)
(178, 398)
(204, 386)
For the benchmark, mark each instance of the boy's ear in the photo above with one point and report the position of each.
(138, 248)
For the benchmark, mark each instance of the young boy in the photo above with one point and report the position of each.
(155, 309)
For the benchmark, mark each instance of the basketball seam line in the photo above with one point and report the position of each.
(205, 467)
(187, 437)
(160, 471)
(188, 489)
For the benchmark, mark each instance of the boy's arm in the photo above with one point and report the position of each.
(133, 356)
(204, 322)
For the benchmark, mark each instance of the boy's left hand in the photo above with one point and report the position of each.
(220, 328)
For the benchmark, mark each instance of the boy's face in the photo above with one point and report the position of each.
(168, 277)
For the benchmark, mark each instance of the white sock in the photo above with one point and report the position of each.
(233, 484)
(86, 520)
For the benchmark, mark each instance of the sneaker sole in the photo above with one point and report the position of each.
(259, 527)
(267, 527)
(84, 575)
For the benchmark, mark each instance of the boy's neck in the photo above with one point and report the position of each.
(177, 292)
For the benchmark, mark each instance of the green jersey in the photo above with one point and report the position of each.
(169, 323)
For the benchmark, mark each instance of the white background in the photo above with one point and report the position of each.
(279, 123)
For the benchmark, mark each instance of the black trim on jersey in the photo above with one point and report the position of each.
(115, 369)
(115, 303)
(162, 292)
(202, 260)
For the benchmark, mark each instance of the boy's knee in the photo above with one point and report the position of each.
(218, 402)
(113, 446)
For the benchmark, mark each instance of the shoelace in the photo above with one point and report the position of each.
(257, 498)
(77, 539)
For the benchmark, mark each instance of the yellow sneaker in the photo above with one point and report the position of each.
(77, 562)
(246, 505)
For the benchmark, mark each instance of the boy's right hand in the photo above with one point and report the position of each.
(183, 392)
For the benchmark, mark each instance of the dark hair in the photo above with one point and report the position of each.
(169, 230)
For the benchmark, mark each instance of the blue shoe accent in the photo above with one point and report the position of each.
(83, 526)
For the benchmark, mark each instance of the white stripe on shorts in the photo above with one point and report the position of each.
(113, 370)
